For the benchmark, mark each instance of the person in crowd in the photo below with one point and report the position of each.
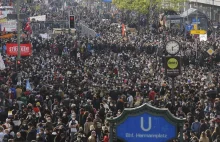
(203, 137)
(73, 124)
(216, 133)
(7, 136)
(203, 126)
(31, 133)
(1, 133)
(87, 125)
(19, 138)
(195, 127)
(208, 134)
(92, 137)
(48, 135)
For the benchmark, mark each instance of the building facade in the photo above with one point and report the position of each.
(209, 7)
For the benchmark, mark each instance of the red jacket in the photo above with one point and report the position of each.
(152, 95)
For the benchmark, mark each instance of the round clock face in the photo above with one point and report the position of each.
(172, 47)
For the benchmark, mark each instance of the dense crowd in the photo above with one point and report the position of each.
(77, 82)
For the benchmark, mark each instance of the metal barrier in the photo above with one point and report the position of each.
(86, 31)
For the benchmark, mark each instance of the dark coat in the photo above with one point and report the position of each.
(21, 139)
(31, 135)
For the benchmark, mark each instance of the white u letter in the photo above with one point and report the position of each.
(149, 124)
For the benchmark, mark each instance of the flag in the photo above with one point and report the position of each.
(28, 86)
(123, 30)
(2, 64)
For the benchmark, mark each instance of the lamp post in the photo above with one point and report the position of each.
(150, 15)
(18, 30)
(212, 12)
(18, 41)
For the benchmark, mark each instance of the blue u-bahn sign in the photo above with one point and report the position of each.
(189, 27)
(146, 124)
(146, 127)
(195, 21)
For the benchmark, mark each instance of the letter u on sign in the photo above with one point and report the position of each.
(149, 124)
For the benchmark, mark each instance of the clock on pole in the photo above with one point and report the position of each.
(172, 47)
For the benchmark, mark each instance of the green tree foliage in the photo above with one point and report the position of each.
(143, 6)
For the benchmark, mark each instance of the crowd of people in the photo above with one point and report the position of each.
(77, 82)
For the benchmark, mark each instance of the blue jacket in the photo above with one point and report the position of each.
(195, 126)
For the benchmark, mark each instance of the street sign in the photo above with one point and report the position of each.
(172, 66)
(210, 51)
(195, 21)
(175, 21)
(197, 32)
(203, 37)
(188, 27)
(106, 0)
(215, 25)
(195, 27)
(146, 124)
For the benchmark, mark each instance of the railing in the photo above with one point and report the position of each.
(85, 30)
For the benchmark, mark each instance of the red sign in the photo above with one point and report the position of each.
(12, 49)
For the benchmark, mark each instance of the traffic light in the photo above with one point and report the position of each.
(72, 21)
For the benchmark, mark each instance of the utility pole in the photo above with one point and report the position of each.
(187, 11)
(196, 44)
(18, 41)
(101, 9)
(213, 15)
(18, 30)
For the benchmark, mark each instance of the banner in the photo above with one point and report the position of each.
(10, 26)
(39, 18)
(12, 49)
